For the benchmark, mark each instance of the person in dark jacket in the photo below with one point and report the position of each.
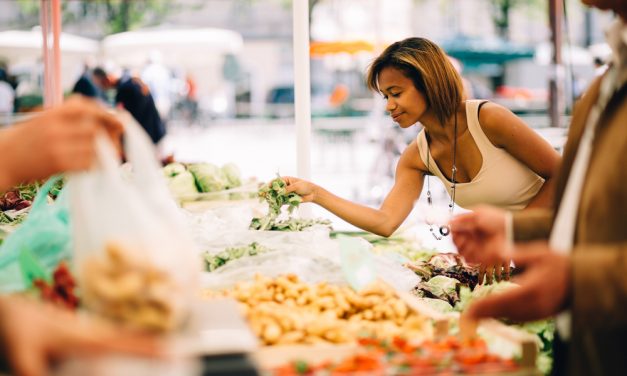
(135, 97)
(85, 85)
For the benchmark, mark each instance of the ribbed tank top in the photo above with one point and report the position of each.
(503, 181)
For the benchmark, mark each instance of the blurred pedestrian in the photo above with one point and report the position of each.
(159, 80)
(85, 85)
(7, 97)
(134, 96)
(580, 273)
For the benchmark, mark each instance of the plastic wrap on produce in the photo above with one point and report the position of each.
(218, 226)
(312, 257)
(226, 227)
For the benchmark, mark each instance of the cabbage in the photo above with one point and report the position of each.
(467, 296)
(232, 174)
(182, 185)
(173, 169)
(440, 287)
(209, 177)
(437, 304)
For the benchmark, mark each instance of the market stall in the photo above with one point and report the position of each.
(144, 246)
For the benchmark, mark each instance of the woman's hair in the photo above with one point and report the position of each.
(432, 73)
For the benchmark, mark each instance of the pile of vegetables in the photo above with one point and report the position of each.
(543, 329)
(14, 201)
(285, 310)
(450, 265)
(188, 180)
(446, 356)
(213, 262)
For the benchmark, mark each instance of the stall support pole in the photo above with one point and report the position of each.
(50, 18)
(57, 90)
(302, 91)
(556, 78)
(43, 19)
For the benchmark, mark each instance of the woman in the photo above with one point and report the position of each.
(481, 151)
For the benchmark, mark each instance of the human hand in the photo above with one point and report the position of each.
(495, 272)
(306, 190)
(58, 140)
(534, 299)
(35, 336)
(480, 236)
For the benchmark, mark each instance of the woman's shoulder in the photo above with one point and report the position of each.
(497, 121)
(411, 156)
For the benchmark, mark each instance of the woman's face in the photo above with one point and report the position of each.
(405, 103)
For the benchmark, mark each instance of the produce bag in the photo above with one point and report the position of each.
(312, 262)
(37, 246)
(136, 263)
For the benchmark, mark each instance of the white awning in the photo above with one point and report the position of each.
(180, 47)
(25, 46)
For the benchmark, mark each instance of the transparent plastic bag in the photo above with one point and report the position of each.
(314, 240)
(37, 246)
(308, 267)
(135, 261)
(312, 256)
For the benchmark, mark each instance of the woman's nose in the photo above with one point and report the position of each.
(390, 105)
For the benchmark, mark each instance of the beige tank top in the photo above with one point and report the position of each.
(503, 181)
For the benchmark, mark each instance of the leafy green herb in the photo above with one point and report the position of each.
(8, 220)
(27, 191)
(213, 262)
(276, 195)
(291, 224)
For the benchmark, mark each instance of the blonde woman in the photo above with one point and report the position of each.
(481, 151)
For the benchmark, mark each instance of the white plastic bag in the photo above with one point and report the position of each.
(135, 261)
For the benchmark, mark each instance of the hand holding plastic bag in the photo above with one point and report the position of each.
(136, 263)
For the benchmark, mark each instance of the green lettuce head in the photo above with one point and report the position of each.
(232, 174)
(209, 177)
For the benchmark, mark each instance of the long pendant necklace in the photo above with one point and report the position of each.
(443, 230)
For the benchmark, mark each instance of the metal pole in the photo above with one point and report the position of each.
(43, 19)
(57, 91)
(556, 70)
(302, 91)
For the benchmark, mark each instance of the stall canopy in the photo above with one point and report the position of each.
(351, 47)
(181, 47)
(476, 51)
(17, 46)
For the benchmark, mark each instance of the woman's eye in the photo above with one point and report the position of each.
(396, 95)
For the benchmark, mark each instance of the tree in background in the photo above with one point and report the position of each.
(118, 15)
(501, 10)
(312, 5)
